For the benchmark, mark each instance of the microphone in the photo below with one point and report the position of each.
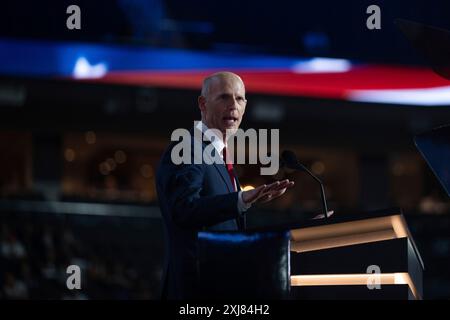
(289, 160)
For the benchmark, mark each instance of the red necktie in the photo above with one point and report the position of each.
(229, 166)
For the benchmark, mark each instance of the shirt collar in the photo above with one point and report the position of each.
(211, 135)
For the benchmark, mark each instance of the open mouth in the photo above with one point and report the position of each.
(229, 120)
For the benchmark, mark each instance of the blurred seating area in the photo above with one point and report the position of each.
(116, 257)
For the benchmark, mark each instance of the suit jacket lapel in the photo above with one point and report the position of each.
(238, 185)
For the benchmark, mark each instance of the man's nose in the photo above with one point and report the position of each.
(233, 103)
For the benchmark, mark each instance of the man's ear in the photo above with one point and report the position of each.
(202, 103)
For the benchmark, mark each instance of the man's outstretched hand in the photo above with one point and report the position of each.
(265, 193)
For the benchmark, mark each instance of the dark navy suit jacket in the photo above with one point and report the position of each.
(192, 198)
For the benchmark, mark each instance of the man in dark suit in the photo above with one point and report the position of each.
(197, 196)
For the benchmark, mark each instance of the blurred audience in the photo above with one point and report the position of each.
(34, 257)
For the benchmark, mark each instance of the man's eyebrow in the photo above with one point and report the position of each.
(227, 94)
(223, 94)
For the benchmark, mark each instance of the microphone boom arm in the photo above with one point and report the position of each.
(291, 161)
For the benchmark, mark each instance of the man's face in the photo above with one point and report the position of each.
(224, 104)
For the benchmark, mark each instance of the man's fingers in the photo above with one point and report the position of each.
(265, 193)
(260, 188)
(273, 185)
(251, 196)
(260, 192)
(271, 195)
(281, 185)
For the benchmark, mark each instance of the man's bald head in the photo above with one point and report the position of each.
(222, 101)
(217, 78)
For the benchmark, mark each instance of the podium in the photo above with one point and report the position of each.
(244, 265)
(369, 256)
